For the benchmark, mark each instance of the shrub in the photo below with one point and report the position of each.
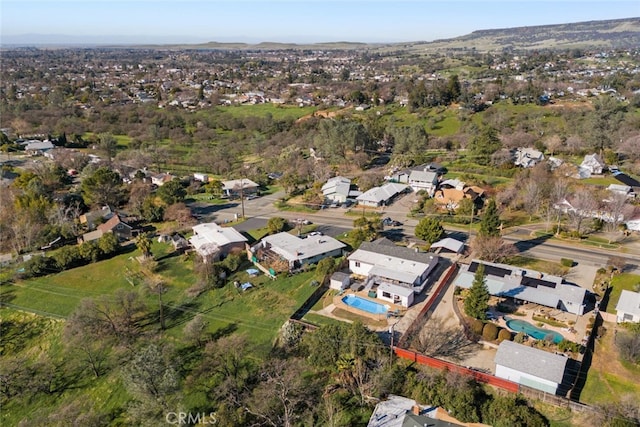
(520, 337)
(504, 335)
(490, 332)
(566, 262)
(477, 326)
(566, 345)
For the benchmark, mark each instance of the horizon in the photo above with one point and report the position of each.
(82, 23)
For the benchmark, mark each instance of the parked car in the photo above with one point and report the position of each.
(302, 221)
(390, 222)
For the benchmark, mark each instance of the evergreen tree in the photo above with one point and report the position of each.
(429, 229)
(490, 223)
(484, 145)
(477, 302)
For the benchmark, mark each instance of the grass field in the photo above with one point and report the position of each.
(619, 283)
(278, 112)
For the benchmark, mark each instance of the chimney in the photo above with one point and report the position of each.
(416, 410)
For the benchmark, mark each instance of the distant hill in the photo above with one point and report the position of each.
(609, 34)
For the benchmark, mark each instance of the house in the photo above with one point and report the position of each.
(449, 198)
(36, 148)
(213, 241)
(633, 224)
(339, 280)
(90, 219)
(394, 272)
(593, 164)
(162, 178)
(424, 179)
(115, 225)
(527, 157)
(337, 189)
(202, 177)
(525, 285)
(237, 187)
(300, 251)
(625, 190)
(399, 411)
(531, 367)
(628, 307)
(381, 196)
(121, 229)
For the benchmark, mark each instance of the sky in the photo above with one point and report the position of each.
(297, 21)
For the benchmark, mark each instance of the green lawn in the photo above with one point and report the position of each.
(258, 312)
(619, 283)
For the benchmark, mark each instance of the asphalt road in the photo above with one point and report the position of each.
(333, 222)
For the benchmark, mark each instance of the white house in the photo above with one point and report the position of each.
(379, 196)
(620, 189)
(628, 307)
(525, 285)
(202, 177)
(530, 366)
(527, 157)
(235, 187)
(337, 189)
(423, 180)
(297, 251)
(633, 224)
(593, 163)
(394, 272)
(211, 240)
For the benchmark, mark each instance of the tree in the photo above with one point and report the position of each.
(172, 192)
(152, 379)
(484, 145)
(108, 244)
(103, 187)
(276, 224)
(430, 230)
(194, 330)
(326, 266)
(490, 222)
(108, 145)
(492, 249)
(143, 243)
(477, 301)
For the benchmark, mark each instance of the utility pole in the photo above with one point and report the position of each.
(242, 195)
(391, 348)
(473, 207)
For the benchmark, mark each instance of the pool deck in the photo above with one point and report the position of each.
(393, 308)
(575, 332)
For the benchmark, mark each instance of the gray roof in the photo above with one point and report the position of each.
(339, 276)
(629, 302)
(382, 194)
(548, 289)
(384, 246)
(532, 361)
(294, 248)
(423, 176)
(450, 244)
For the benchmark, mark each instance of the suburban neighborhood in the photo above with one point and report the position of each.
(326, 236)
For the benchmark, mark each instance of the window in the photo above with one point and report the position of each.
(386, 294)
(357, 263)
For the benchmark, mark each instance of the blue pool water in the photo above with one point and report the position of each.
(533, 331)
(364, 304)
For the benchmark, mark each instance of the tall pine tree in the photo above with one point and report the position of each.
(477, 301)
(490, 223)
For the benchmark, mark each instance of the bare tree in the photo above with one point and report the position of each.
(437, 339)
(616, 207)
(583, 206)
(492, 249)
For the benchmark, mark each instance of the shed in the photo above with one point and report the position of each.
(340, 280)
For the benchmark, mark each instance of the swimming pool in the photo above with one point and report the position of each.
(364, 304)
(533, 331)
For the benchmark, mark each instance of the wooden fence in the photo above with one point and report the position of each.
(442, 364)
